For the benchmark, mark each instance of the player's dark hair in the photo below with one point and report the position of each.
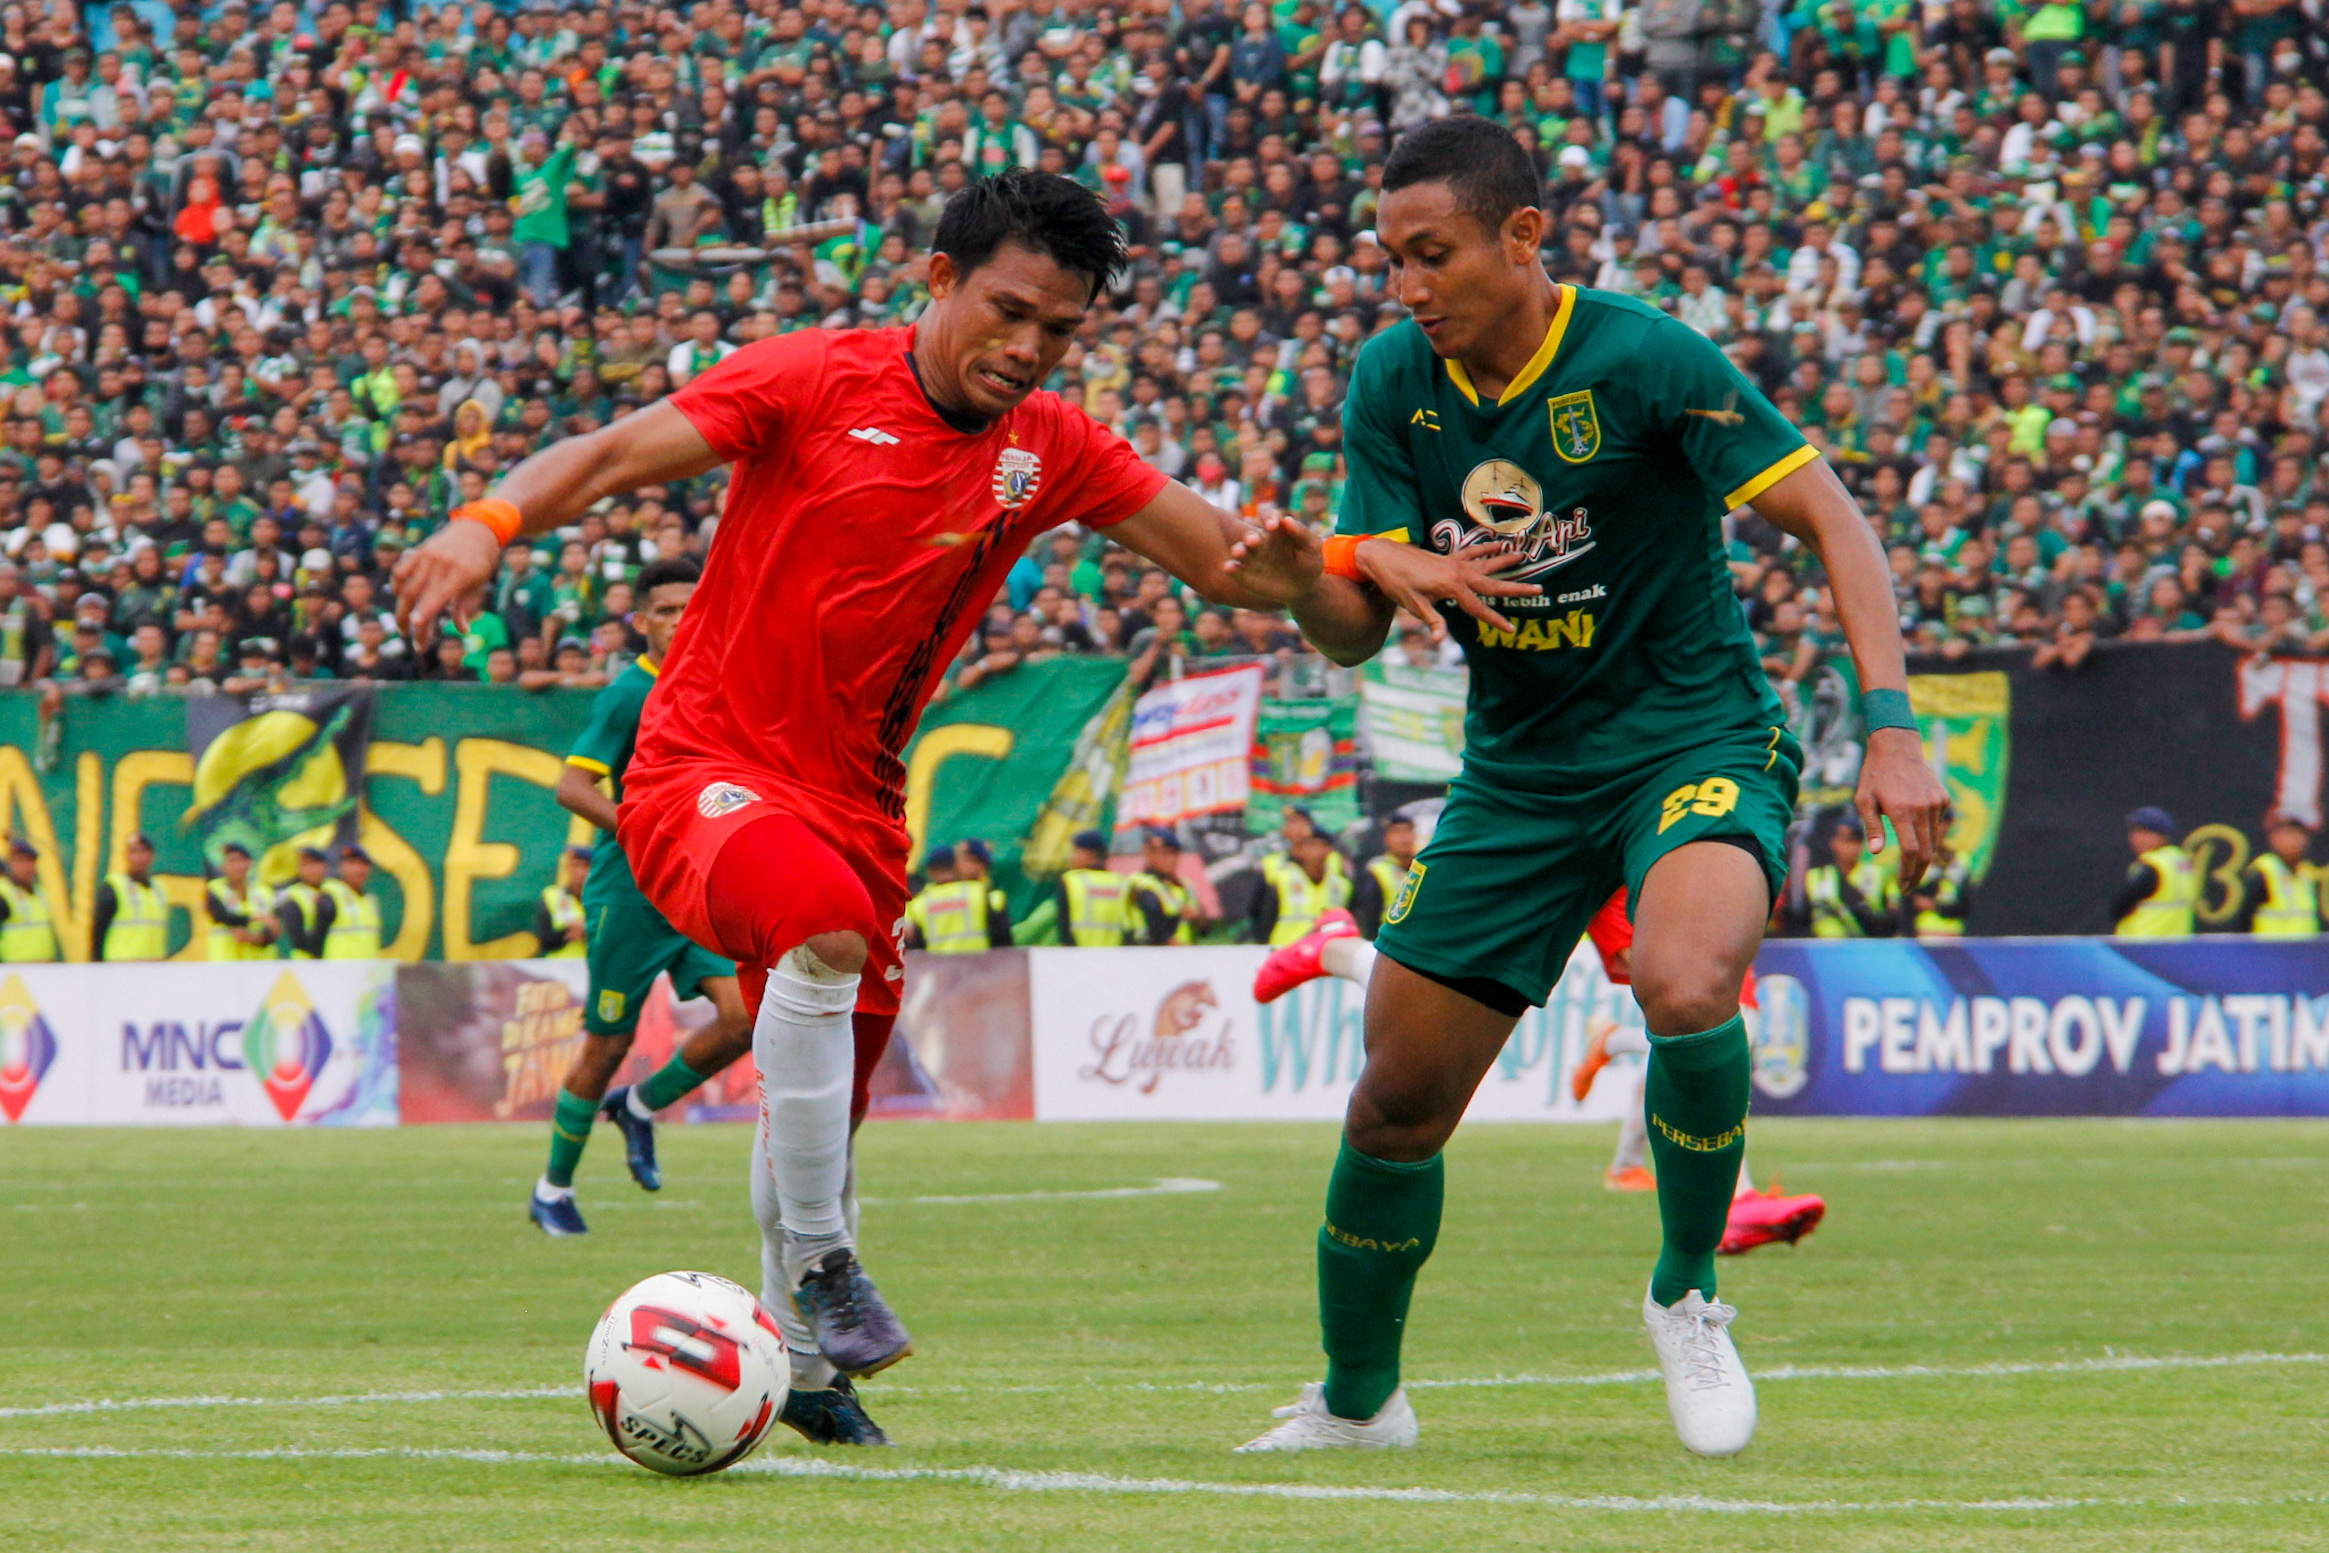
(1053, 215)
(656, 574)
(1484, 167)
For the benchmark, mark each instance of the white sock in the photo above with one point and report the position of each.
(545, 1192)
(1352, 959)
(1746, 1185)
(1627, 1040)
(636, 1106)
(1633, 1136)
(801, 1043)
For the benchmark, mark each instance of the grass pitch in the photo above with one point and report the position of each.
(2008, 1335)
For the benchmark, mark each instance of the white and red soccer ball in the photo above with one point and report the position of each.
(686, 1372)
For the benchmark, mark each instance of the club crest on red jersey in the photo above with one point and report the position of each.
(1017, 473)
(723, 798)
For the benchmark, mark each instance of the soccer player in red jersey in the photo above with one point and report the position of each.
(884, 482)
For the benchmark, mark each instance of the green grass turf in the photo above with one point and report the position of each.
(1139, 1338)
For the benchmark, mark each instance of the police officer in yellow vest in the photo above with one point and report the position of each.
(241, 910)
(559, 925)
(1094, 904)
(132, 921)
(352, 925)
(1944, 897)
(2278, 894)
(958, 911)
(1164, 910)
(1851, 895)
(301, 908)
(1304, 884)
(27, 934)
(2162, 891)
(1378, 883)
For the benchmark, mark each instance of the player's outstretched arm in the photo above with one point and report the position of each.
(1197, 541)
(550, 490)
(1348, 618)
(1896, 783)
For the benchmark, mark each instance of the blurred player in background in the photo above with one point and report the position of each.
(626, 940)
(884, 483)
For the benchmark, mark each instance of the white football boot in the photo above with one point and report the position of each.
(1309, 1426)
(1707, 1389)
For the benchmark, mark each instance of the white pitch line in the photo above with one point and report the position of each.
(1012, 1480)
(2109, 1364)
(1169, 1186)
(357, 1399)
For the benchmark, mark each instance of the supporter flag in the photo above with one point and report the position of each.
(277, 773)
(1085, 791)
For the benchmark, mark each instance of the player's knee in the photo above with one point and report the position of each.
(1684, 999)
(842, 952)
(1397, 1125)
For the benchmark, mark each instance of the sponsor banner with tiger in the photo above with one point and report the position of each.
(1174, 1034)
(262, 1044)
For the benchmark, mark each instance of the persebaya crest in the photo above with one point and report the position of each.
(1576, 428)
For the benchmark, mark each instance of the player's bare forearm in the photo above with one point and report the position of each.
(1813, 505)
(558, 485)
(1347, 621)
(578, 792)
(1211, 550)
(1896, 782)
(553, 488)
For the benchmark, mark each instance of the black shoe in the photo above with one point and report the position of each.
(833, 1416)
(638, 1138)
(855, 1330)
(556, 1217)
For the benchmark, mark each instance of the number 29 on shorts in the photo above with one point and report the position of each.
(1714, 796)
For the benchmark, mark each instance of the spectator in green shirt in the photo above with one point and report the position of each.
(539, 201)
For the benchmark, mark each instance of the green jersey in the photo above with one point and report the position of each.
(605, 750)
(1610, 461)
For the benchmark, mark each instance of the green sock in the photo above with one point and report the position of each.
(1382, 1218)
(669, 1082)
(569, 1131)
(1696, 1099)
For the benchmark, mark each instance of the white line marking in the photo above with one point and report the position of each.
(1169, 1186)
(2108, 1364)
(1011, 1480)
(2111, 1364)
(359, 1399)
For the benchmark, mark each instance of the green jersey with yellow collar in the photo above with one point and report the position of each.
(1609, 461)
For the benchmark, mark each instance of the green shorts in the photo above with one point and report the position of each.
(1510, 878)
(630, 945)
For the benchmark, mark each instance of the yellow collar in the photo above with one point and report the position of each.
(1537, 364)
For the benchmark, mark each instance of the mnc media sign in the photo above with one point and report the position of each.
(190, 1043)
(2044, 1027)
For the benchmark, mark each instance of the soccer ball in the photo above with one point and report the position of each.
(686, 1372)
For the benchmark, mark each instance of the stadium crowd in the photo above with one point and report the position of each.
(2047, 279)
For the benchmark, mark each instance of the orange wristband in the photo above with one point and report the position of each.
(496, 514)
(1342, 556)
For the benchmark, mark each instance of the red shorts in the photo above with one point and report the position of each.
(832, 869)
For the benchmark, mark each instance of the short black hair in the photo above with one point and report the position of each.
(1485, 168)
(1055, 216)
(656, 574)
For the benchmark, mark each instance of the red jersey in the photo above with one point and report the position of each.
(863, 536)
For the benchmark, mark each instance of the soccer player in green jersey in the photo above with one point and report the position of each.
(630, 943)
(1557, 463)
